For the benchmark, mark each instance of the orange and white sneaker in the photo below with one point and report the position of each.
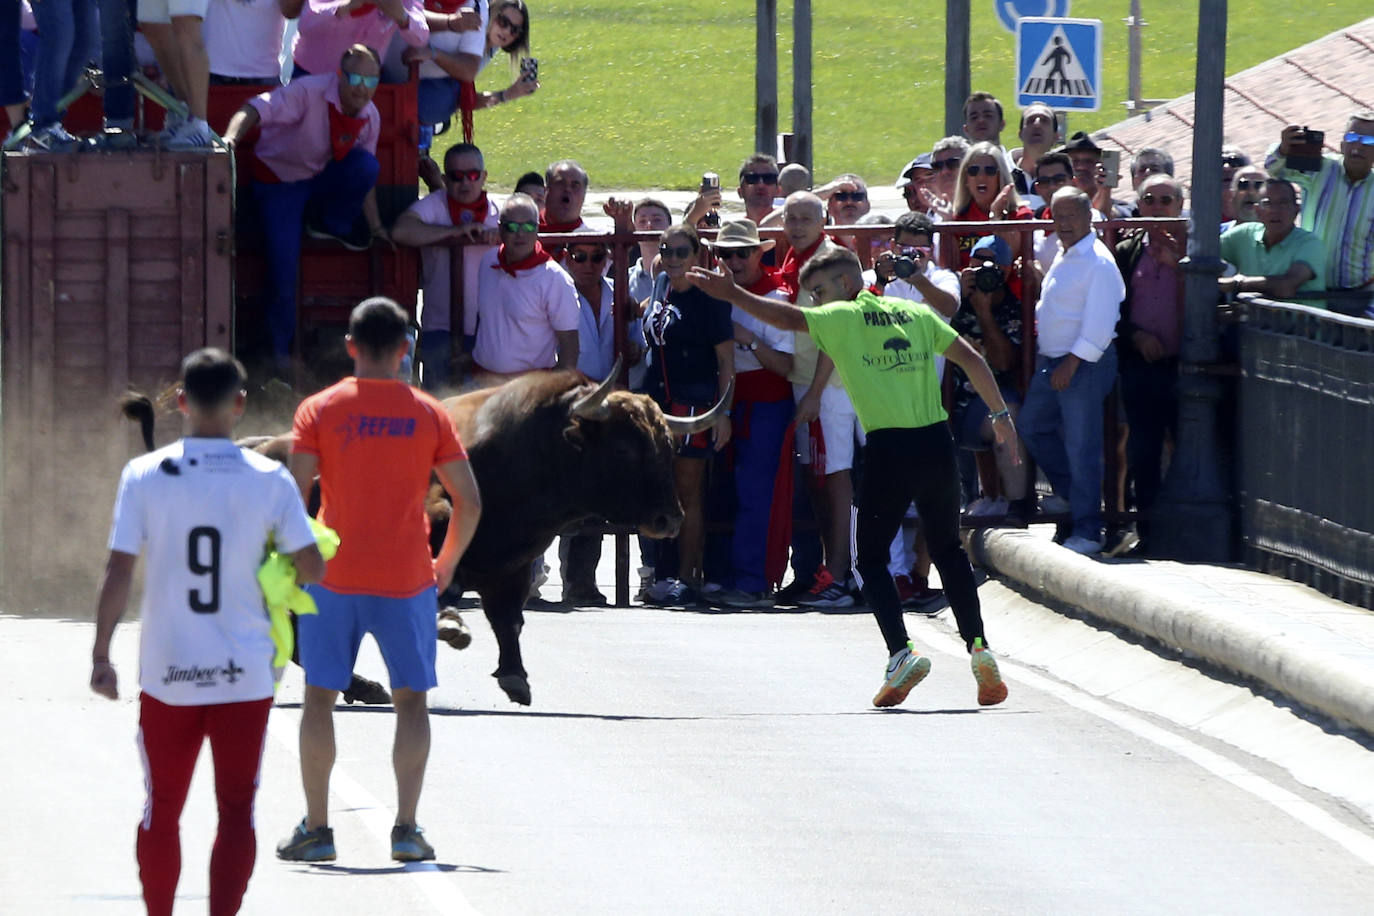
(904, 671)
(991, 689)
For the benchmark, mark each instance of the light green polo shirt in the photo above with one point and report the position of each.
(1243, 246)
(884, 349)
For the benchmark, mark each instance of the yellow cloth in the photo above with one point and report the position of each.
(283, 597)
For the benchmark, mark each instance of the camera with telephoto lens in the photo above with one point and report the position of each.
(905, 264)
(988, 278)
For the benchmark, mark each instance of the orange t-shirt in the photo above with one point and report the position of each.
(377, 441)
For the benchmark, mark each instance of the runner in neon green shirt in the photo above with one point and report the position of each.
(884, 350)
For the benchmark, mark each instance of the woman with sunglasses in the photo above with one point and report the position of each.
(985, 192)
(691, 350)
(458, 51)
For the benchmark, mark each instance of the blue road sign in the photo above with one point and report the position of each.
(1059, 63)
(1009, 12)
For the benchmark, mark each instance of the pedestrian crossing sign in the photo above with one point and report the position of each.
(1059, 63)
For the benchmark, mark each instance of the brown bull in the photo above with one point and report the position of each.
(551, 449)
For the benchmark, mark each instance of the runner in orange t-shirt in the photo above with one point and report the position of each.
(374, 441)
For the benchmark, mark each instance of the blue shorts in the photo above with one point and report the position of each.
(406, 630)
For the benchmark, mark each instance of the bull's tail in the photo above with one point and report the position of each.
(135, 405)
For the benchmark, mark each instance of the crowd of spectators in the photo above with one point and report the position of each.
(1107, 302)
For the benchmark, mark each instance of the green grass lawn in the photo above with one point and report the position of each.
(651, 93)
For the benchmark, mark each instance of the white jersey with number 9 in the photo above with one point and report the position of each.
(204, 509)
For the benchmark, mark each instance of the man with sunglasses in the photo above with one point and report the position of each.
(760, 414)
(1247, 187)
(1337, 200)
(759, 189)
(938, 195)
(461, 212)
(526, 315)
(1149, 333)
(316, 164)
(1232, 158)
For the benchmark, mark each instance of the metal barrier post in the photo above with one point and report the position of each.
(1194, 517)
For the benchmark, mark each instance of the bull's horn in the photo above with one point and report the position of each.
(686, 426)
(593, 406)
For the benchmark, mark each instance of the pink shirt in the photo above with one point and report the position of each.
(516, 317)
(322, 37)
(295, 141)
(1156, 306)
(432, 209)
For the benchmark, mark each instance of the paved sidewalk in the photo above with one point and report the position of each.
(1313, 649)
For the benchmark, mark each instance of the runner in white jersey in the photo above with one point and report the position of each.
(204, 511)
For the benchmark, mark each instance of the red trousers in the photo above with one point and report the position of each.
(169, 738)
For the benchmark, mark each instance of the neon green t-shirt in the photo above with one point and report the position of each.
(884, 351)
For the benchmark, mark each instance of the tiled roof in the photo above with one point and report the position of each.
(1320, 84)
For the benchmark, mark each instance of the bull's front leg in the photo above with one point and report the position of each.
(504, 602)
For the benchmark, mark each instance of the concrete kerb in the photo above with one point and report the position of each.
(1304, 673)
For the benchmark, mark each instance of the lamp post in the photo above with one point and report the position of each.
(957, 78)
(1194, 516)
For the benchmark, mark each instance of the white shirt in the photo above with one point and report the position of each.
(243, 37)
(432, 209)
(1080, 301)
(946, 281)
(204, 509)
(769, 336)
(516, 317)
(472, 42)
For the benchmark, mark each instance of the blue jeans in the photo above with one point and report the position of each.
(336, 196)
(1063, 432)
(11, 69)
(757, 447)
(436, 355)
(67, 31)
(117, 60)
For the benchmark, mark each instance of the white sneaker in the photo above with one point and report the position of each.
(193, 135)
(1054, 504)
(170, 125)
(984, 507)
(1083, 545)
(904, 671)
(657, 593)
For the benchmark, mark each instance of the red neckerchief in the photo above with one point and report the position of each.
(875, 289)
(361, 11)
(545, 225)
(343, 132)
(462, 214)
(766, 283)
(790, 272)
(533, 259)
(447, 7)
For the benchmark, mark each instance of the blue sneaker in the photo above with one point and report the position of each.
(308, 845)
(408, 844)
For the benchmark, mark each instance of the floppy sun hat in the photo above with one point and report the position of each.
(740, 233)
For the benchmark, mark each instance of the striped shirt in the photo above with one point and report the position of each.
(1340, 212)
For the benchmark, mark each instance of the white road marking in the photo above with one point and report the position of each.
(424, 876)
(1359, 844)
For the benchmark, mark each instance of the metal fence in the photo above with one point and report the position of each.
(1305, 440)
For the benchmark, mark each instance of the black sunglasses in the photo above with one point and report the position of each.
(678, 252)
(982, 170)
(465, 175)
(504, 21)
(1052, 179)
(1246, 184)
(945, 165)
(855, 196)
(726, 253)
(759, 178)
(1234, 162)
(580, 257)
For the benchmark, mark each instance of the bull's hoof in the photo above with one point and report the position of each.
(516, 687)
(452, 630)
(369, 693)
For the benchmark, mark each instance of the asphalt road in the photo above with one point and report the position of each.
(678, 762)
